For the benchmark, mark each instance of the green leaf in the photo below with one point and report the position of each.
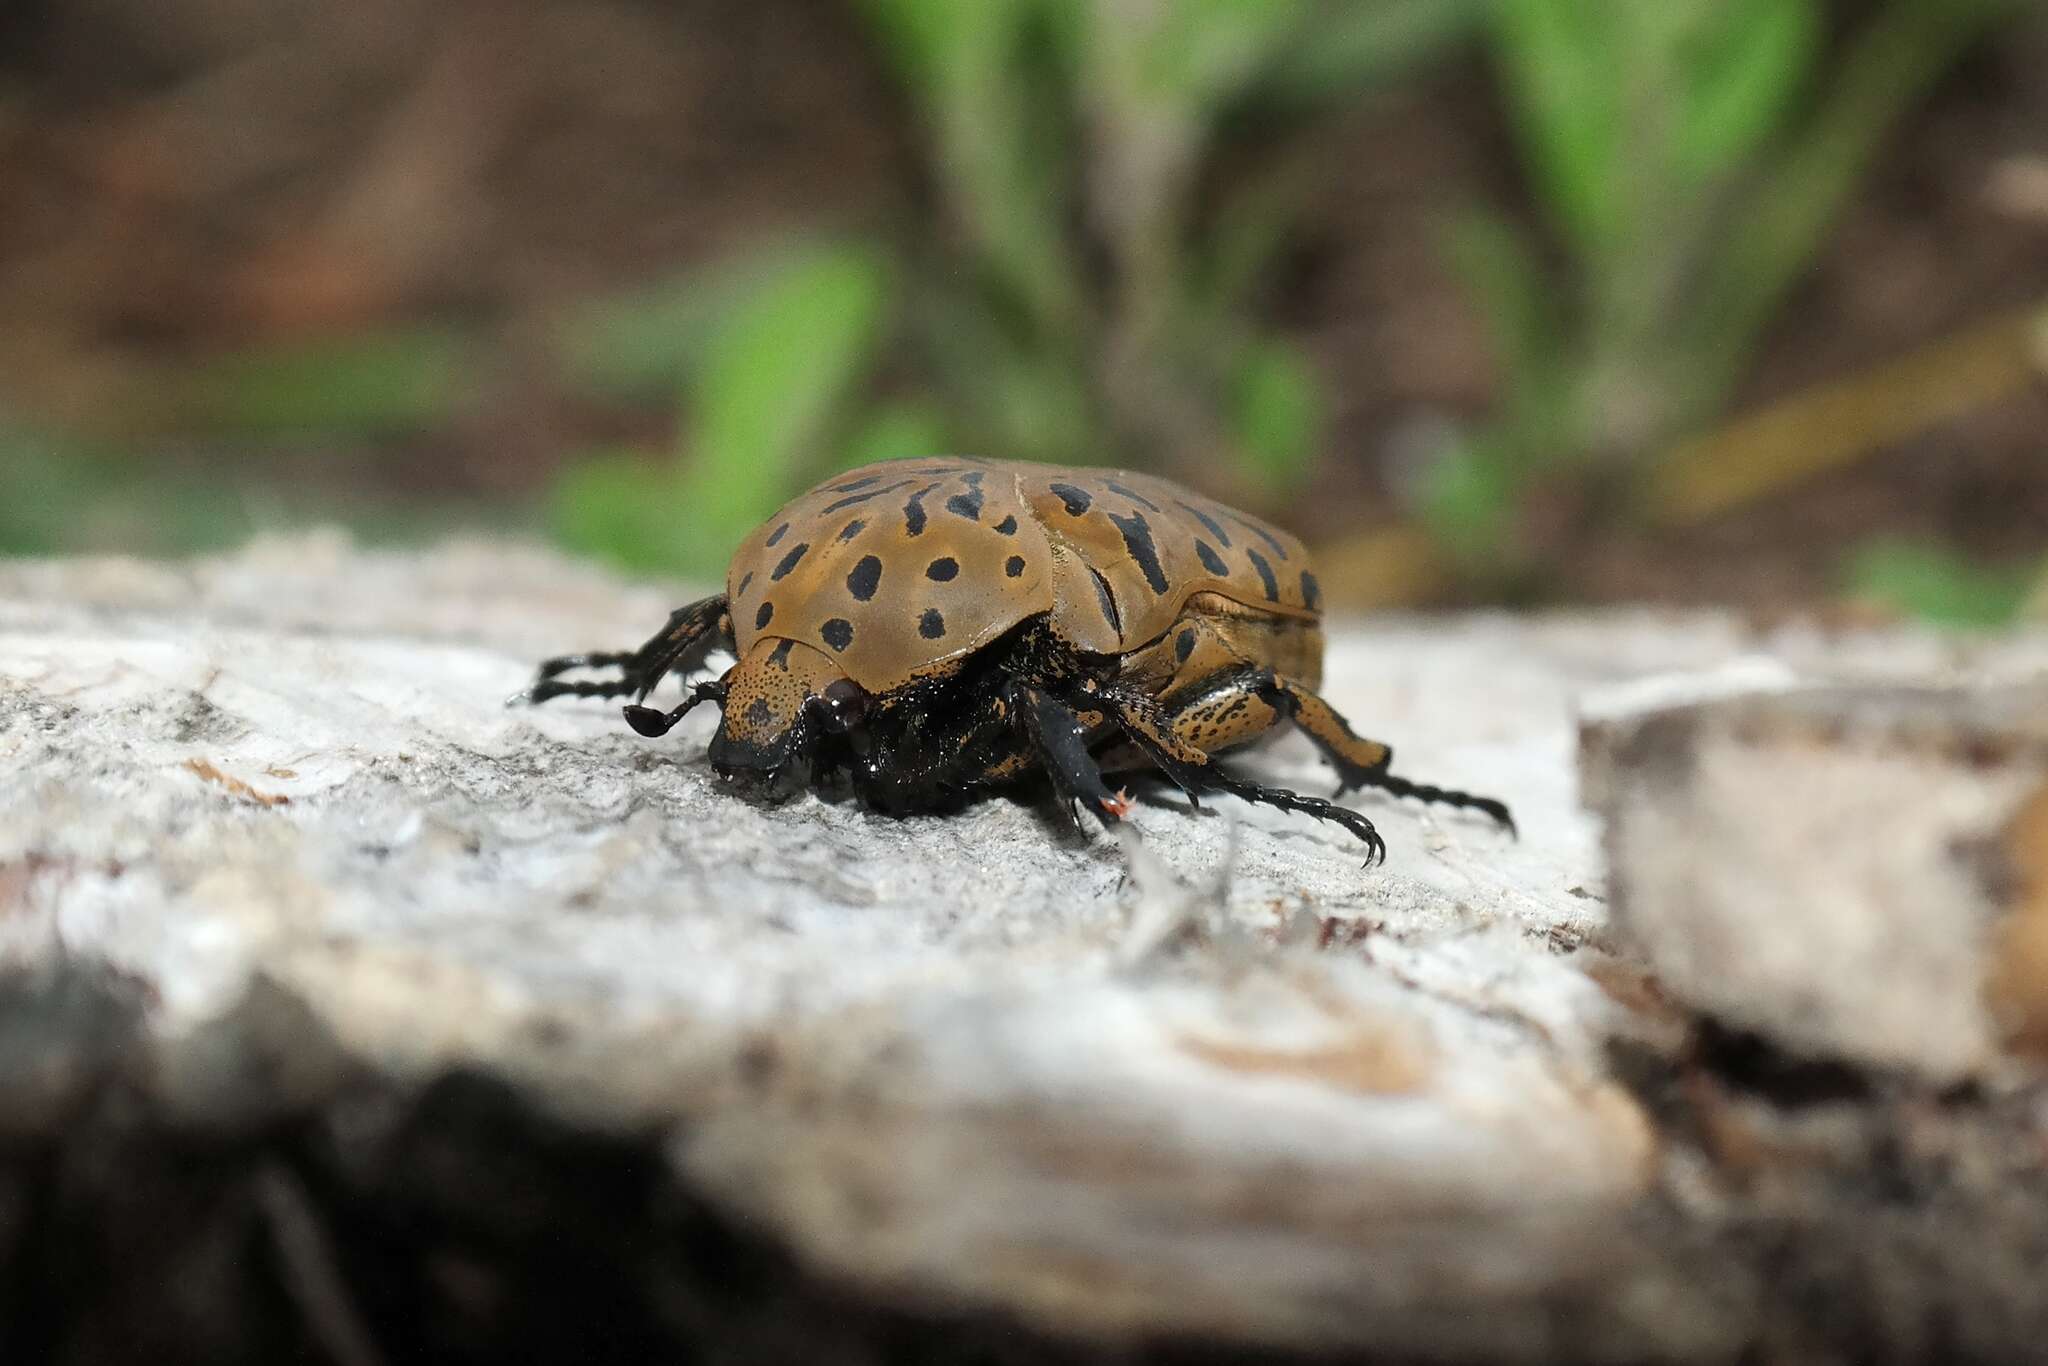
(1276, 412)
(999, 122)
(1467, 498)
(1499, 270)
(1564, 63)
(1201, 52)
(767, 378)
(925, 40)
(619, 506)
(1936, 584)
(1742, 64)
(640, 343)
(46, 489)
(1884, 69)
(370, 384)
(1358, 44)
(776, 370)
(1253, 226)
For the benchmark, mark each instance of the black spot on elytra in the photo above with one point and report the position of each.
(1108, 600)
(1013, 566)
(758, 713)
(1311, 591)
(745, 579)
(943, 570)
(1211, 561)
(1215, 527)
(966, 504)
(838, 633)
(762, 617)
(1184, 645)
(1140, 499)
(776, 535)
(779, 656)
(1265, 574)
(865, 578)
(913, 511)
(852, 529)
(1272, 541)
(975, 476)
(931, 625)
(796, 552)
(851, 499)
(1138, 540)
(1077, 500)
(1007, 527)
(850, 485)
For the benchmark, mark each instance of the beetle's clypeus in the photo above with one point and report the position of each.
(925, 628)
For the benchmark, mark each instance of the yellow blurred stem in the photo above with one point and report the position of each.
(1834, 425)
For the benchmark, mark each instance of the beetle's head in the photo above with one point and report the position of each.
(782, 701)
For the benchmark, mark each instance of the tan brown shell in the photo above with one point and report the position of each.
(894, 569)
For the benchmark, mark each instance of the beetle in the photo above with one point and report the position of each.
(924, 629)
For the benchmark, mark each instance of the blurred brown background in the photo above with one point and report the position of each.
(1494, 300)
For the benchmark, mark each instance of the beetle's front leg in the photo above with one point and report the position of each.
(1061, 742)
(692, 633)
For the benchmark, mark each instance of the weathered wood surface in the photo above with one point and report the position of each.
(273, 855)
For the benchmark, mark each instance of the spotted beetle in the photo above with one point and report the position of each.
(922, 629)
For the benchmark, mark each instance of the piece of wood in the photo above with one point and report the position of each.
(527, 1012)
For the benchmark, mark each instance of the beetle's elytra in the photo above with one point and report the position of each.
(922, 629)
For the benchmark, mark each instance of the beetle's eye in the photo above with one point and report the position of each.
(845, 704)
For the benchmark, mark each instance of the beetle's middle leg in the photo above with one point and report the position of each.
(1060, 740)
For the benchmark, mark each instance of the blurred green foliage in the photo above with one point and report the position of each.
(1093, 289)
(1936, 583)
(1690, 157)
(61, 495)
(1078, 303)
(768, 379)
(379, 384)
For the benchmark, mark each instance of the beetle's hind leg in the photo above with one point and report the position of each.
(1360, 762)
(692, 633)
(1244, 703)
(1161, 736)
